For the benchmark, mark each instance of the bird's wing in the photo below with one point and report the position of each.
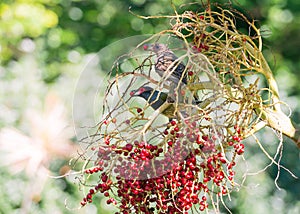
(166, 62)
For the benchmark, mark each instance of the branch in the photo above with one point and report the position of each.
(282, 123)
(275, 118)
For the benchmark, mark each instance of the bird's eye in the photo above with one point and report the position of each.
(141, 90)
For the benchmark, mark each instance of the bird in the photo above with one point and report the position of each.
(167, 61)
(155, 98)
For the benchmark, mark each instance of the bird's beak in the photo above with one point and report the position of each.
(133, 93)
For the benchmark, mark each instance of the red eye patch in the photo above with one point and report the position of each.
(141, 90)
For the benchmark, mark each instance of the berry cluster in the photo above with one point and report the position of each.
(173, 192)
(171, 177)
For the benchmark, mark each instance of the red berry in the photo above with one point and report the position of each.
(89, 196)
(230, 143)
(132, 93)
(128, 147)
(104, 177)
(205, 138)
(173, 122)
(236, 138)
(190, 73)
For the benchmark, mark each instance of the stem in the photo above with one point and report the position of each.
(266, 71)
(282, 123)
(275, 118)
(155, 114)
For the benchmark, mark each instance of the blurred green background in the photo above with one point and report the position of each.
(44, 46)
